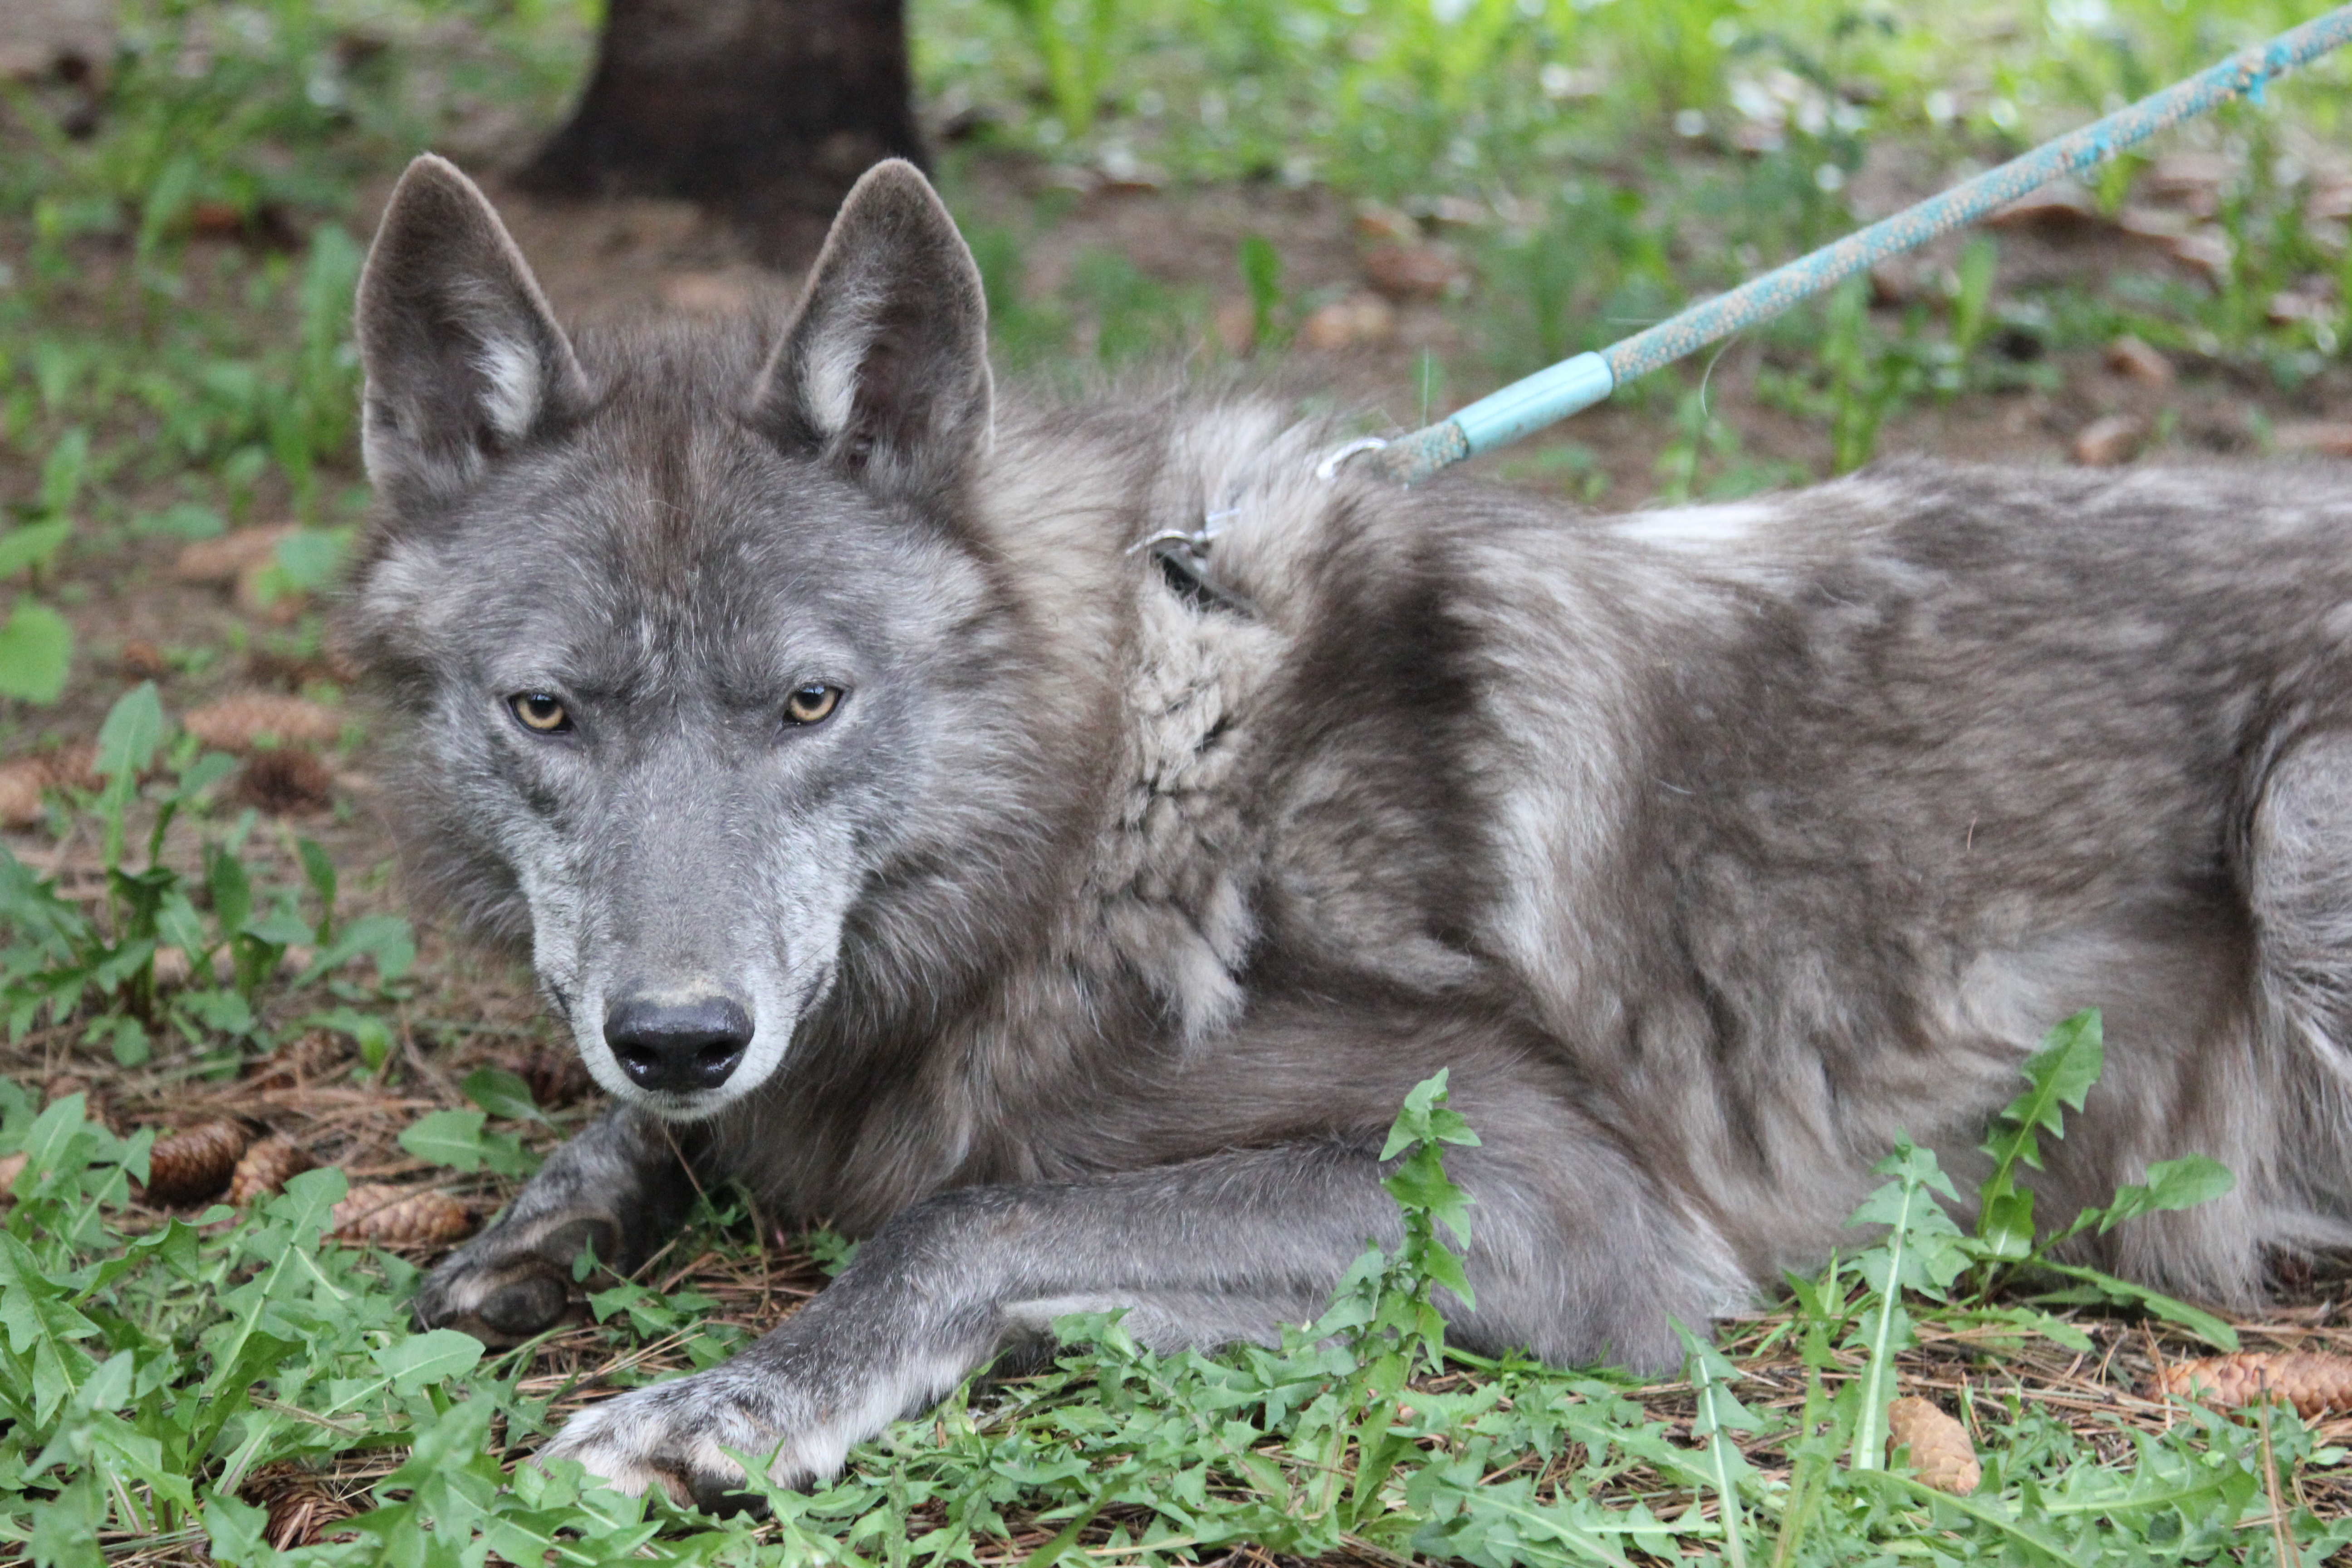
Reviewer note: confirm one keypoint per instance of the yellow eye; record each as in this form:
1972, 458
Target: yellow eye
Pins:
812, 704
540, 712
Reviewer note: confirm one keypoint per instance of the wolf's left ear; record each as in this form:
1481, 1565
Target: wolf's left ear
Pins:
884, 370
464, 360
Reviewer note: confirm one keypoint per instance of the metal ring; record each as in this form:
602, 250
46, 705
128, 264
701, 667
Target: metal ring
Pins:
1166, 536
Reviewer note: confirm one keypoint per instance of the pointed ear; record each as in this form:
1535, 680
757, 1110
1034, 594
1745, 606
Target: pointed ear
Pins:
884, 370
464, 360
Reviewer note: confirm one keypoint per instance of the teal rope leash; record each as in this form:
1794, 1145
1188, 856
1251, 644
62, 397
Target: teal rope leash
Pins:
1553, 393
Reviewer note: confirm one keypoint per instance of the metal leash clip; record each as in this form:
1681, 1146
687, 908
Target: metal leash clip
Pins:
1183, 556
1329, 468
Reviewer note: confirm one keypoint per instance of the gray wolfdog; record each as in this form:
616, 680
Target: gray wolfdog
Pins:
905, 843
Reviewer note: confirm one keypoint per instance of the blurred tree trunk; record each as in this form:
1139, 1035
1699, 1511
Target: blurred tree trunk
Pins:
767, 111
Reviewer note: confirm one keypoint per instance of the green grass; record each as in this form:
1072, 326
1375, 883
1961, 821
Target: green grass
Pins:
1400, 98
193, 384
151, 1374
157, 1373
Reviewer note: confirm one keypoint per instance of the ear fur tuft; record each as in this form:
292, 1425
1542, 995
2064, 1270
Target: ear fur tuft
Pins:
884, 370
463, 359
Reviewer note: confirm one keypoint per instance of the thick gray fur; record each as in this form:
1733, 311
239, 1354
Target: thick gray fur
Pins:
1092, 942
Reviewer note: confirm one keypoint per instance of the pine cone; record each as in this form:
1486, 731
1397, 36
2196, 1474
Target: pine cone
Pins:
298, 1062
2311, 1381
218, 561
142, 660
303, 1504
21, 783
190, 1166
264, 1169
555, 1075
234, 723
1941, 1455
401, 1216
285, 780
75, 763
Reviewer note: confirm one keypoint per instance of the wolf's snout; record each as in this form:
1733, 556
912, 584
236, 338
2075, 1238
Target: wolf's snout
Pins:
684, 1046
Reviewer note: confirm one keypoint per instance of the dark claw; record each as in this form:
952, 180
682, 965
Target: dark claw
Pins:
526, 1307
519, 1279
714, 1498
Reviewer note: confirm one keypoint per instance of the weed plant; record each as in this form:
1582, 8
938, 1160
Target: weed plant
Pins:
149, 1371
95, 970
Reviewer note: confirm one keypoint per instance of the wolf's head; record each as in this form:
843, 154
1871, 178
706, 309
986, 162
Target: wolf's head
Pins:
699, 645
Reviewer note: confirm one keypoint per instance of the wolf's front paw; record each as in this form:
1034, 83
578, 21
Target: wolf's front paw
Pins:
676, 1435
514, 1279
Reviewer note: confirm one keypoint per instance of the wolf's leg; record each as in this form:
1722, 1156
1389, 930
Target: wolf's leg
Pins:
2301, 891
621, 1186
2291, 1132
1575, 1255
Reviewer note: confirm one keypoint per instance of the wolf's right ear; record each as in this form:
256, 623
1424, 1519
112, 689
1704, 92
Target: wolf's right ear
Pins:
464, 360
883, 370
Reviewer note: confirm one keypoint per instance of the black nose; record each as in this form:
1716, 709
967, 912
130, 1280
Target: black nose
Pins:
678, 1046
